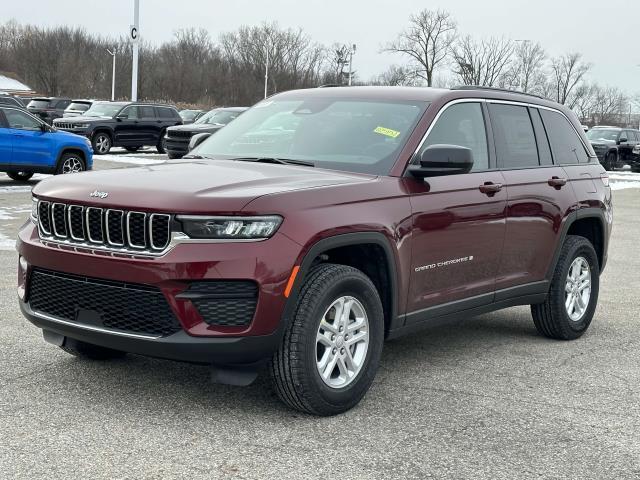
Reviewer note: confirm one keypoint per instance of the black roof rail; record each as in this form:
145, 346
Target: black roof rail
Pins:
494, 89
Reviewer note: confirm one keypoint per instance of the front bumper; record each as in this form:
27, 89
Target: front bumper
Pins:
225, 351
268, 263
179, 146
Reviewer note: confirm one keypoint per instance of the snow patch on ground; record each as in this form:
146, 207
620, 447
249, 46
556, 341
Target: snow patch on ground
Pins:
134, 160
620, 180
6, 243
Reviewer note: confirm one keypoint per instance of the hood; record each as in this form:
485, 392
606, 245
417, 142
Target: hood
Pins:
601, 141
197, 187
197, 128
82, 119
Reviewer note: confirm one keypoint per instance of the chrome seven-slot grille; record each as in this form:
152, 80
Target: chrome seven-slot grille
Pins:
65, 125
104, 228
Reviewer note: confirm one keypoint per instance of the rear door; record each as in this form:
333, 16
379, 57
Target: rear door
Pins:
6, 141
149, 126
31, 146
458, 221
538, 195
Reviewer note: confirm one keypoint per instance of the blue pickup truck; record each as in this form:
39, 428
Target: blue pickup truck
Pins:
28, 145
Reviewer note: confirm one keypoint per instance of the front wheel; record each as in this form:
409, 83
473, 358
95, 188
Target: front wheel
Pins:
101, 143
20, 176
573, 294
610, 161
162, 144
70, 163
329, 353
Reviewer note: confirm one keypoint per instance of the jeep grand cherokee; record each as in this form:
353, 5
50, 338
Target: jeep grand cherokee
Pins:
376, 212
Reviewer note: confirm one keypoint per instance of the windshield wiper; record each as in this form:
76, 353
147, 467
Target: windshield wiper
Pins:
280, 161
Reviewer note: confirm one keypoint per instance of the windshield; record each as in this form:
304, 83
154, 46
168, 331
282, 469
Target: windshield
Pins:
38, 104
343, 134
603, 134
220, 117
189, 114
103, 110
81, 106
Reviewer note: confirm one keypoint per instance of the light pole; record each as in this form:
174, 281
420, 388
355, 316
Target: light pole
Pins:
352, 51
113, 74
135, 38
266, 70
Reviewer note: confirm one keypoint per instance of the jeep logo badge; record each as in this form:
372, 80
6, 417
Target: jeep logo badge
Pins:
99, 194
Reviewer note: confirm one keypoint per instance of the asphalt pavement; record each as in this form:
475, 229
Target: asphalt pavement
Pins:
484, 398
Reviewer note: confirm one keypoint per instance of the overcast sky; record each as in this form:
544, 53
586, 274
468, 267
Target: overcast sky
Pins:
606, 32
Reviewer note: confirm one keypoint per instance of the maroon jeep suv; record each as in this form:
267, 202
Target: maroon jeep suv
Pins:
318, 224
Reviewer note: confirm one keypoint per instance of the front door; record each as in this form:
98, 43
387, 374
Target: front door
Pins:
6, 141
458, 222
31, 146
127, 127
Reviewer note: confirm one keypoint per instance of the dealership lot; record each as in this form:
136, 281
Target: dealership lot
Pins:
485, 398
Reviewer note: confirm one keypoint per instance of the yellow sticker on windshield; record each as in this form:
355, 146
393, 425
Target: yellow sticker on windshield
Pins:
387, 131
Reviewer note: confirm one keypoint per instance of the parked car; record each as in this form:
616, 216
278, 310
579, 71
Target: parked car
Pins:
48, 108
616, 147
123, 124
11, 100
77, 107
28, 145
387, 210
178, 138
190, 116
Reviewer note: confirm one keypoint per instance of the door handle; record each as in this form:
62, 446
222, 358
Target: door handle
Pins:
490, 188
557, 182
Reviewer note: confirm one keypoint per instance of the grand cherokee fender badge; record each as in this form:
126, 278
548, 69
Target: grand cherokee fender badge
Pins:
99, 194
445, 263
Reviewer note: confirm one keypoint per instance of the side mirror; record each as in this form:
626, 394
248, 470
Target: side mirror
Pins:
440, 160
121, 116
197, 139
623, 140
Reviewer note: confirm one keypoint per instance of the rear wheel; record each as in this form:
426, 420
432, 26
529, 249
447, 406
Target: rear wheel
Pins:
573, 294
70, 163
101, 143
329, 353
90, 351
20, 176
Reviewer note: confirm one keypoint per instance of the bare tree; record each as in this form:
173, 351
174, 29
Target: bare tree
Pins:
397, 75
482, 62
567, 72
526, 71
427, 41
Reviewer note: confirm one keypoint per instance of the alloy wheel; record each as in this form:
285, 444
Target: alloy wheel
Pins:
72, 165
102, 144
342, 342
578, 289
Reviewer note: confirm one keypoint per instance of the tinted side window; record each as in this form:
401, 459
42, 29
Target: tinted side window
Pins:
565, 144
19, 120
544, 150
146, 112
515, 141
131, 112
463, 125
165, 112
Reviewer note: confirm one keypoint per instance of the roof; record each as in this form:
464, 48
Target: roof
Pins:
9, 84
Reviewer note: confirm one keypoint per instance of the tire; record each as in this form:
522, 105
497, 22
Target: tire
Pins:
610, 161
552, 318
295, 368
90, 351
101, 143
70, 163
174, 156
20, 176
132, 149
162, 144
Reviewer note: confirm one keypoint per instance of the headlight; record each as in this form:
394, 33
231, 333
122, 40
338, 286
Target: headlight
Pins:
241, 228
34, 210
80, 125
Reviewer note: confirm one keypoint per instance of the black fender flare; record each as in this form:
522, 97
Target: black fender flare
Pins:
590, 212
344, 240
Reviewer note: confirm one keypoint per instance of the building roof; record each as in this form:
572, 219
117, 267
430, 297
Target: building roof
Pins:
10, 85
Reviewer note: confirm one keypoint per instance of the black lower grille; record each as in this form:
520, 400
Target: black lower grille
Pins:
229, 303
119, 306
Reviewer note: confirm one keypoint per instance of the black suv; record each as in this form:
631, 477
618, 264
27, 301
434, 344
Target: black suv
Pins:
48, 108
178, 138
123, 124
616, 147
